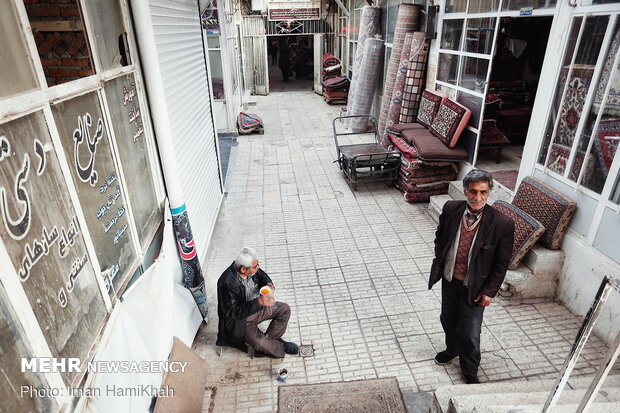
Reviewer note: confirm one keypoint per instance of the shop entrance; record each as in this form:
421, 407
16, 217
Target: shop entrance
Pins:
516, 65
291, 62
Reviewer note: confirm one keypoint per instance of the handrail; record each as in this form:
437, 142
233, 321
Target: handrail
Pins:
602, 295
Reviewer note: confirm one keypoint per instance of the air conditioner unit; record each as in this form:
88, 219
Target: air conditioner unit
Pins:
257, 5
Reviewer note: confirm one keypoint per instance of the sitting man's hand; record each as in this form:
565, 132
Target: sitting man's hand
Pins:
483, 300
273, 287
267, 300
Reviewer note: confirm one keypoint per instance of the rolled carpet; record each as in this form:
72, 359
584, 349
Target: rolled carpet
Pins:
369, 26
414, 83
406, 21
399, 84
361, 102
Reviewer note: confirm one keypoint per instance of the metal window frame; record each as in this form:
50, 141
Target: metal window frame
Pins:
608, 284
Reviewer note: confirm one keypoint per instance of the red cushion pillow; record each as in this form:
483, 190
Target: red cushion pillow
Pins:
429, 105
449, 122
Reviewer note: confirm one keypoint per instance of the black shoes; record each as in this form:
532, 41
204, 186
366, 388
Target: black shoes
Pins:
471, 379
443, 357
289, 347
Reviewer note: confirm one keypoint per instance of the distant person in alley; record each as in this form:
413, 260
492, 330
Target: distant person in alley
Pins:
245, 296
473, 246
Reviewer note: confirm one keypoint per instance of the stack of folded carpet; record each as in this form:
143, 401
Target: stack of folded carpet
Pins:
331, 66
336, 90
419, 180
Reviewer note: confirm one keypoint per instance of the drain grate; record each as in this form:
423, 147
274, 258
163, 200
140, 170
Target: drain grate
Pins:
306, 350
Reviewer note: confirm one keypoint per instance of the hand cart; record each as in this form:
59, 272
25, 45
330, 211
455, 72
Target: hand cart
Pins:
367, 162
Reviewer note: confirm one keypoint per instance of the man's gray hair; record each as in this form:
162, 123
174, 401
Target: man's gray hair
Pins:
477, 175
245, 258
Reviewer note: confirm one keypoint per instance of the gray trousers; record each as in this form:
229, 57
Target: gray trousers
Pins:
267, 342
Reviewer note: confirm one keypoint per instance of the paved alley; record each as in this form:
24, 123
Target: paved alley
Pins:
353, 266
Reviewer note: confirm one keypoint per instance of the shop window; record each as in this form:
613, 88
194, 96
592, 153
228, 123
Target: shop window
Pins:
479, 37
108, 33
383, 18
13, 346
573, 84
451, 34
456, 6
45, 242
60, 35
473, 73
447, 67
601, 132
17, 73
392, 11
615, 193
217, 75
128, 119
483, 6
524, 4
99, 185
570, 48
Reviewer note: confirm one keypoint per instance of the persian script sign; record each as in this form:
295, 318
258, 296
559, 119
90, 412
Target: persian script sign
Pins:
294, 14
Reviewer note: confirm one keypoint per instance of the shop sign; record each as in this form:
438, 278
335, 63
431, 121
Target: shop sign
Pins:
294, 14
210, 20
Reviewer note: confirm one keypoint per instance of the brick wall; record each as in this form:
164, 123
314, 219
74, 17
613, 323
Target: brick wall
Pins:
61, 39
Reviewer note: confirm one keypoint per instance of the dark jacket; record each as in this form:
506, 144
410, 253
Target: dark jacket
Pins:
490, 254
232, 307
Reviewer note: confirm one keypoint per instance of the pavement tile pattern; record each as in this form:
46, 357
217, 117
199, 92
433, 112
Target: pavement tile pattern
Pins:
354, 268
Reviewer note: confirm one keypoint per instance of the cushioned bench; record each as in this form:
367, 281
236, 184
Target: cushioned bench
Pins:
430, 148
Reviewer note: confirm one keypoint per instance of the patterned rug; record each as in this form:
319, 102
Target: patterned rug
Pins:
506, 178
406, 21
371, 396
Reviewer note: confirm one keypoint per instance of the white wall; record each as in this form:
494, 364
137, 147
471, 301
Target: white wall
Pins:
583, 270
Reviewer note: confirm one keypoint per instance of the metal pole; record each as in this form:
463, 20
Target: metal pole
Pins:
601, 374
580, 341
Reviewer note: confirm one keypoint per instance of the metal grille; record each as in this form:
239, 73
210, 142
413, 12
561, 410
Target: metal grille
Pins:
290, 27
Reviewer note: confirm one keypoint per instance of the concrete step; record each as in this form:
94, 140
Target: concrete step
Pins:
538, 274
435, 206
455, 190
469, 402
442, 395
604, 407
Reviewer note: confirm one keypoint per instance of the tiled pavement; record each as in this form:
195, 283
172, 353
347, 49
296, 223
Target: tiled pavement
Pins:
354, 267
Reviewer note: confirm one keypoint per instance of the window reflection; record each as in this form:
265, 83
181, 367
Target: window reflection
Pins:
19, 76
451, 34
446, 69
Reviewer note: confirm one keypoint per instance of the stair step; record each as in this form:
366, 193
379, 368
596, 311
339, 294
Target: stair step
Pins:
469, 402
455, 190
604, 407
442, 395
435, 206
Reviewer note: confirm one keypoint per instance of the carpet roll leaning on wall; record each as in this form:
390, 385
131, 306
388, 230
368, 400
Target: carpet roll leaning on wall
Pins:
369, 26
399, 84
367, 83
414, 83
406, 21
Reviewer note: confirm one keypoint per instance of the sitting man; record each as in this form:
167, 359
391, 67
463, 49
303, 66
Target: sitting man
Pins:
241, 308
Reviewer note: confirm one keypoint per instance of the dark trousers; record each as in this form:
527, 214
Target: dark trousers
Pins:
461, 323
267, 342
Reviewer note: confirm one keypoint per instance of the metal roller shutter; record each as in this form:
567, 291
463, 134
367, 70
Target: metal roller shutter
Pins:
179, 44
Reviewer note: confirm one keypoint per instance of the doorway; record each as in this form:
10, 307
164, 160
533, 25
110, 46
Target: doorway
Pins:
291, 62
516, 65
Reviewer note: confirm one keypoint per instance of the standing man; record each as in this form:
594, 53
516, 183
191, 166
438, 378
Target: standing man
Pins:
241, 308
473, 246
